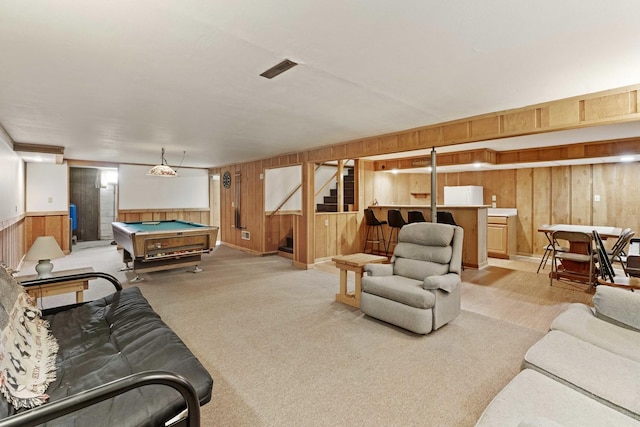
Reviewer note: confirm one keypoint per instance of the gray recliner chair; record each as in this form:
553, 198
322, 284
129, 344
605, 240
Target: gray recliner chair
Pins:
420, 289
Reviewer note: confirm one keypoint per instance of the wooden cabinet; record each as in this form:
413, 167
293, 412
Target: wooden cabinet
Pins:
501, 236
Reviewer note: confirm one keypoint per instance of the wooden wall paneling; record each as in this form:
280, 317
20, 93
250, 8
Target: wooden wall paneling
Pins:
304, 239
506, 188
627, 206
581, 195
542, 189
333, 235
604, 177
271, 233
560, 195
351, 238
402, 189
322, 235
56, 225
12, 242
524, 204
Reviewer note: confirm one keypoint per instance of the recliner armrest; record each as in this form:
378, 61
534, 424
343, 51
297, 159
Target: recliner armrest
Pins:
447, 282
379, 269
618, 306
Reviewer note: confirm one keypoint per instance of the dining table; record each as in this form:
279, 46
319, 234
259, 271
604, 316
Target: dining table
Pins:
575, 270
603, 231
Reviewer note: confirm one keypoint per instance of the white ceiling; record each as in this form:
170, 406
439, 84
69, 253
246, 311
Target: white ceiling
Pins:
118, 80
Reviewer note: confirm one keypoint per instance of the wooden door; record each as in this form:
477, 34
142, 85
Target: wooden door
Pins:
85, 194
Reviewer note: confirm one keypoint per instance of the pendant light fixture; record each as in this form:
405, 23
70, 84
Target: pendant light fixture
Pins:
163, 169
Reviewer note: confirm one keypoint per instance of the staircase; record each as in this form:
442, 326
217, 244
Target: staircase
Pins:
331, 201
286, 250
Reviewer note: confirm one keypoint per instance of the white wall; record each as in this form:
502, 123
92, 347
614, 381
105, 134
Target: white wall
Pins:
278, 183
137, 190
11, 181
47, 187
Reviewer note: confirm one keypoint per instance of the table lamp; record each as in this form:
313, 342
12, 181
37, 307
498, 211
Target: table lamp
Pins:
43, 250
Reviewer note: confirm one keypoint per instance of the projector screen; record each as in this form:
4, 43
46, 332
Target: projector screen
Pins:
137, 190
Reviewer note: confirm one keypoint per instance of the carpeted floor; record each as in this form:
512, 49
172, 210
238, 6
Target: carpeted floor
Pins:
282, 352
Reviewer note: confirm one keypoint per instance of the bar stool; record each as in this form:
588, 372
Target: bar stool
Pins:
415, 216
396, 222
374, 226
444, 217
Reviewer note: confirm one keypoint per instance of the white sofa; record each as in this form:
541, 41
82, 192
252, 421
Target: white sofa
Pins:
585, 371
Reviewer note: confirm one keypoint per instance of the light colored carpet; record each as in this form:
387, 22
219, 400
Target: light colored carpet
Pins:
282, 352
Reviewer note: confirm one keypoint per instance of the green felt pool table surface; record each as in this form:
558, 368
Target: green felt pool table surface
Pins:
160, 226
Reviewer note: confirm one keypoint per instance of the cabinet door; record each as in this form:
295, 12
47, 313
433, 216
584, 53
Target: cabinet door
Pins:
497, 239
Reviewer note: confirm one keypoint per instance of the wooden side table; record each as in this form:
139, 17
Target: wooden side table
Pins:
355, 263
77, 286
631, 283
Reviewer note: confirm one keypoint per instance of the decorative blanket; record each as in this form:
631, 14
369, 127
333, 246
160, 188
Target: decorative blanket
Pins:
27, 348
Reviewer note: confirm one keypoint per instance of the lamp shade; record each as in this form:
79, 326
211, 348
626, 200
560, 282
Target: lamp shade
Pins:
162, 170
44, 249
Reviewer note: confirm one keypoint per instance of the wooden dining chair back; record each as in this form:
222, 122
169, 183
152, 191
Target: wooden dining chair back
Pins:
577, 264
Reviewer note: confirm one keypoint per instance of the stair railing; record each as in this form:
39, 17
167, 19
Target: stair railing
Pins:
290, 195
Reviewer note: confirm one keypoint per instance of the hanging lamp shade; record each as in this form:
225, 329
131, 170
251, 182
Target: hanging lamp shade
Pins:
163, 169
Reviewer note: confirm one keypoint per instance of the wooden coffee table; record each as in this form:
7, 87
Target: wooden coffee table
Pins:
77, 286
355, 263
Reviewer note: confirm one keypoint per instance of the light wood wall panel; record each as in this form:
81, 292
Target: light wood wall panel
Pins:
524, 202
337, 234
54, 224
277, 228
560, 194
581, 195
12, 234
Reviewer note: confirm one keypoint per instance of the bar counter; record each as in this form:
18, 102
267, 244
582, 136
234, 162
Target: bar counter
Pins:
473, 219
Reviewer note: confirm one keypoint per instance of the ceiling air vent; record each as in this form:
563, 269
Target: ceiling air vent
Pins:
278, 69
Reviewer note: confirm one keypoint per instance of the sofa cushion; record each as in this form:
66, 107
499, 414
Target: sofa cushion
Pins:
579, 321
533, 399
398, 288
418, 270
618, 306
434, 235
601, 374
111, 338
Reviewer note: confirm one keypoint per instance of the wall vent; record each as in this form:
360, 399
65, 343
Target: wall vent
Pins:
278, 69
245, 235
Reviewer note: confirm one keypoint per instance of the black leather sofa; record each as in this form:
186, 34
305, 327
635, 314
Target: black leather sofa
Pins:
118, 364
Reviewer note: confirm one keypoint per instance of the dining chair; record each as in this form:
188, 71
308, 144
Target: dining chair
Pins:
548, 250
578, 263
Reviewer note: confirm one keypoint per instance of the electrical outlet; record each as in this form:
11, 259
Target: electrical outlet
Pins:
245, 235
326, 222
50, 199
596, 198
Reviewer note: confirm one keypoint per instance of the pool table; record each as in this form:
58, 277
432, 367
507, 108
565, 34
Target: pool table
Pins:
162, 245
